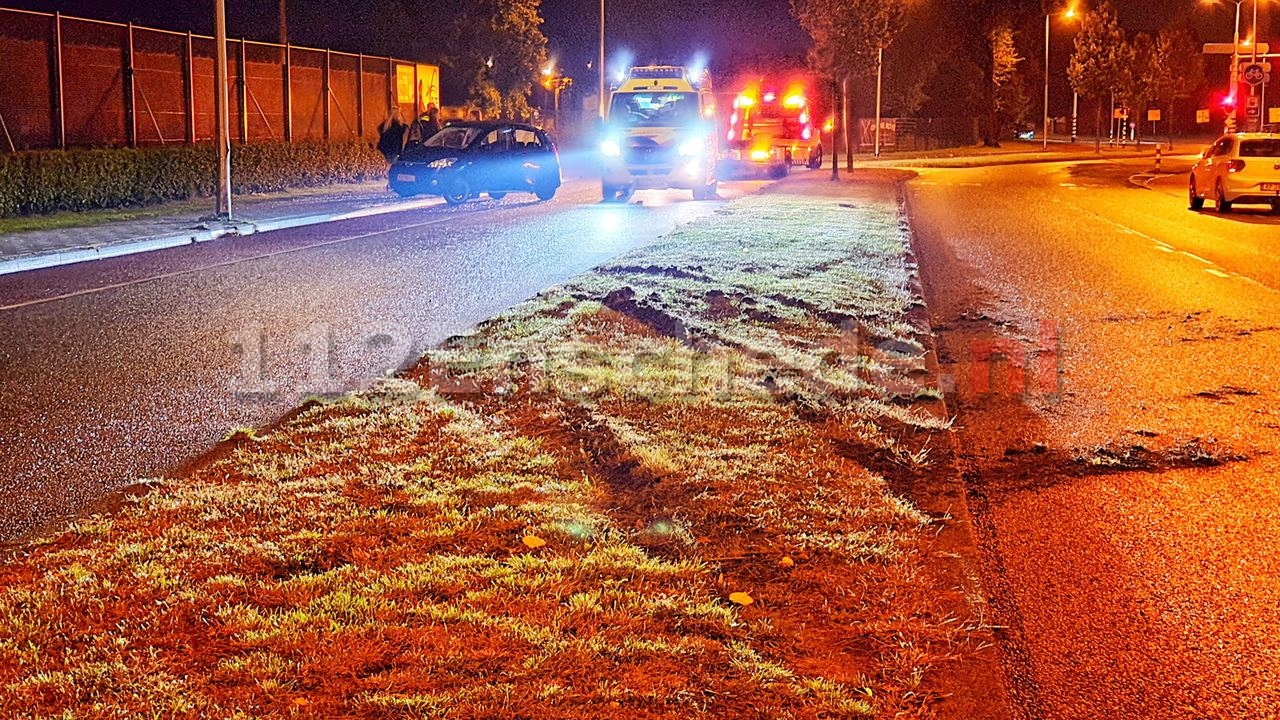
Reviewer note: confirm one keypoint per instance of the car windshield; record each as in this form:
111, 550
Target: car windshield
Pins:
1260, 148
654, 109
456, 138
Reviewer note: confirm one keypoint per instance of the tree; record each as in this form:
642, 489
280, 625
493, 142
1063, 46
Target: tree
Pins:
1175, 71
1011, 100
1132, 74
1096, 64
499, 47
974, 22
848, 34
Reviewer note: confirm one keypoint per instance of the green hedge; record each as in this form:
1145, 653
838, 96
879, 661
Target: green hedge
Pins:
45, 181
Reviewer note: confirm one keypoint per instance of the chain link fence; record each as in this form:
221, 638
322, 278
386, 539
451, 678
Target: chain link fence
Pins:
76, 82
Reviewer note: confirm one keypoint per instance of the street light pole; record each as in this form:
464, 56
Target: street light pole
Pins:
1046, 81
1253, 60
601, 66
221, 102
879, 84
1235, 70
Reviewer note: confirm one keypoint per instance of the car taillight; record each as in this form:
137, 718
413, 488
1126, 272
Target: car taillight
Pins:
1235, 165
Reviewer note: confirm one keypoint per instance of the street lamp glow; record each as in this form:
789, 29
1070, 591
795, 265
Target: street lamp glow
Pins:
1070, 14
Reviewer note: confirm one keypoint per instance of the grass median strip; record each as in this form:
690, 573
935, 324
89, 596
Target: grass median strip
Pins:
659, 490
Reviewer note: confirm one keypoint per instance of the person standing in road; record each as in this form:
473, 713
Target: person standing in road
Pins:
426, 125
391, 135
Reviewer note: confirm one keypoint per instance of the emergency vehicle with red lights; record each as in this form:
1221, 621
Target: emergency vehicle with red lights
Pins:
770, 130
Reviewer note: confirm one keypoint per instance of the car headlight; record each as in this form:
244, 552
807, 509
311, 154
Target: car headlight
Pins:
692, 147
610, 148
760, 155
442, 163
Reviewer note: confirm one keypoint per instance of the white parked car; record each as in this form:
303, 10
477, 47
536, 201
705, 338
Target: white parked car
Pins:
1237, 168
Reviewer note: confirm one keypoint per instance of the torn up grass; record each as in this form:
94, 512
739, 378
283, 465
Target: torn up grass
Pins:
659, 491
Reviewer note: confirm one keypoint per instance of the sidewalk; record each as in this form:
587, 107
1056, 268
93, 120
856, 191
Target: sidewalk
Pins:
189, 222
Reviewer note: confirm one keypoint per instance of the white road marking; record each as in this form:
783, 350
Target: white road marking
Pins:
227, 263
1193, 256
1216, 273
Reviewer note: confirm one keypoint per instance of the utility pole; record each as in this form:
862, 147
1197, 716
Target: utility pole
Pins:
221, 103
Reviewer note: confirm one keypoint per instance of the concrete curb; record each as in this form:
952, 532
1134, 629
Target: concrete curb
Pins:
977, 161
55, 258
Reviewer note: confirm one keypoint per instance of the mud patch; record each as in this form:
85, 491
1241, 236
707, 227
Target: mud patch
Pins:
1036, 466
1225, 393
623, 300
694, 272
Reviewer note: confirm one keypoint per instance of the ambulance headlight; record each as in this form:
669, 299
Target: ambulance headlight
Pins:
691, 148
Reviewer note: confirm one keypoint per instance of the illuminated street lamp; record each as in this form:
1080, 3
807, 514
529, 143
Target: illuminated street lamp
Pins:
554, 82
1069, 14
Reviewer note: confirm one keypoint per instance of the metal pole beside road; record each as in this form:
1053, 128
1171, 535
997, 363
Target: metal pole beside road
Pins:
844, 120
1253, 46
60, 100
1045, 145
600, 68
879, 86
130, 91
189, 89
221, 101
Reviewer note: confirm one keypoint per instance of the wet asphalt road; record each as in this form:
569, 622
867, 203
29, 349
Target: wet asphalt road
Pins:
122, 369
1129, 579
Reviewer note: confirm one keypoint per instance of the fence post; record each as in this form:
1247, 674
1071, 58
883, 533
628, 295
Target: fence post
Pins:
391, 83
417, 95
328, 96
244, 95
288, 92
360, 96
189, 91
130, 91
59, 108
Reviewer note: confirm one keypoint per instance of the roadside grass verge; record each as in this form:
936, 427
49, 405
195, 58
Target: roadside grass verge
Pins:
662, 490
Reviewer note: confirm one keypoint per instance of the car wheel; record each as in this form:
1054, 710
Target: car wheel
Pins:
456, 190
1220, 202
616, 193
497, 195
1195, 202
545, 191
815, 159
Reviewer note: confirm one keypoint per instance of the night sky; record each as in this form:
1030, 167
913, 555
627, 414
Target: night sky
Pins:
725, 31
